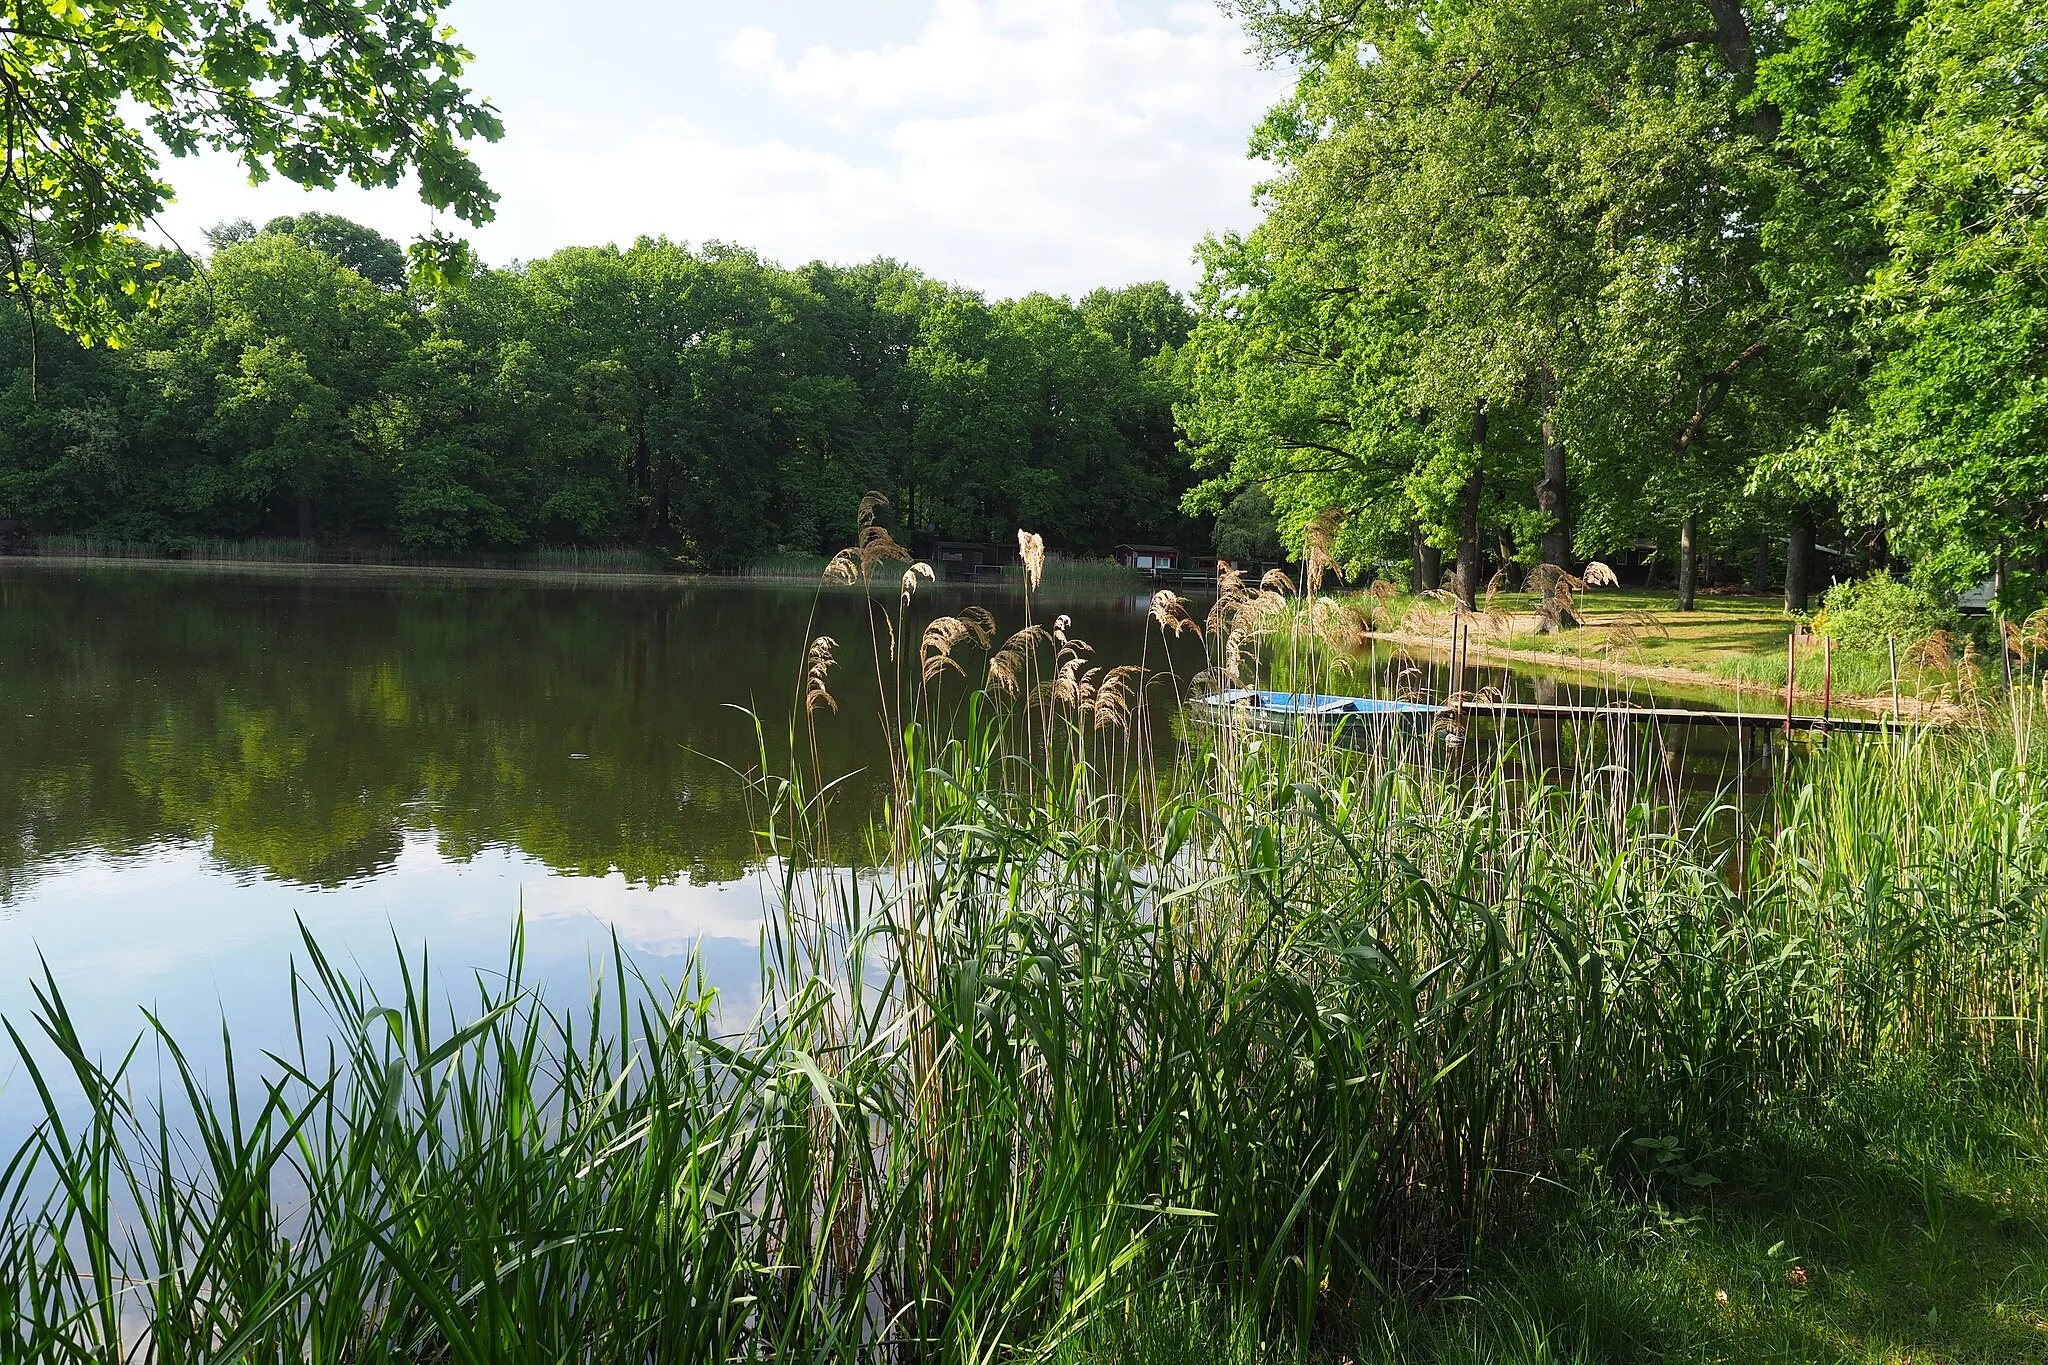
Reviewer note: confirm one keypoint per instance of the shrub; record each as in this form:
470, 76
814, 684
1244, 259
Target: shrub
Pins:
1866, 614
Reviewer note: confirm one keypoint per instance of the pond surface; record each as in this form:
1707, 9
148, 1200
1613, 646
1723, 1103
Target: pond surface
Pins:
193, 762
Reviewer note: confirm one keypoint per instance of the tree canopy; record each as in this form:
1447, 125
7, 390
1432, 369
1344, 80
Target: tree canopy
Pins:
700, 401
1541, 280
369, 92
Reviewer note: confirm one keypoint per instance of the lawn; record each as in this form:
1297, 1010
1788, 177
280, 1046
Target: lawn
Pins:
1900, 1221
1732, 639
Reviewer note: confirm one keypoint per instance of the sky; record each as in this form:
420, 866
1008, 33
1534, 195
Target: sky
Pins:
1008, 145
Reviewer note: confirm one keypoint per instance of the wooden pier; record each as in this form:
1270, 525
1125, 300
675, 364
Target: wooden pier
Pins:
1276, 707
1672, 715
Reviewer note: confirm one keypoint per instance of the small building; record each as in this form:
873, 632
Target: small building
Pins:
1148, 558
967, 558
13, 537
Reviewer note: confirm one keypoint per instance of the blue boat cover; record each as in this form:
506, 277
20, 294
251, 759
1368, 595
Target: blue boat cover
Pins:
1312, 704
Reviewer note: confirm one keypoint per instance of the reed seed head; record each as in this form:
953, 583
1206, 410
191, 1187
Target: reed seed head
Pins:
1031, 549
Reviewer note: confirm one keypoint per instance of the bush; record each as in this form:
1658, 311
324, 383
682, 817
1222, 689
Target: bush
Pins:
1866, 614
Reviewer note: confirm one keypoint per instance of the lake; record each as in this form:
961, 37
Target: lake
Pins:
195, 761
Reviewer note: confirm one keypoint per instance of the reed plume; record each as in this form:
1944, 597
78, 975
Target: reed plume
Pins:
911, 575
817, 670
941, 638
1031, 549
1010, 666
1317, 550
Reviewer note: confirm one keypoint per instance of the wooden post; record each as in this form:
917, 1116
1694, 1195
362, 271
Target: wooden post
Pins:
1892, 647
1827, 680
1791, 672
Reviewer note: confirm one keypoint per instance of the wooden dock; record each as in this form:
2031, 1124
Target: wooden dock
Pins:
1272, 707
1672, 715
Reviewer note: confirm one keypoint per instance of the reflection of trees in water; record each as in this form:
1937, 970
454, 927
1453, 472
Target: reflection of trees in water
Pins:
303, 728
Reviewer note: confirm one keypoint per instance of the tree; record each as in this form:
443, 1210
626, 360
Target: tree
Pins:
1246, 531
271, 359
366, 251
1943, 439
1525, 237
367, 92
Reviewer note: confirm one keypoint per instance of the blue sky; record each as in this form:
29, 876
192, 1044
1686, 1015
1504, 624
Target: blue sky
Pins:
1010, 145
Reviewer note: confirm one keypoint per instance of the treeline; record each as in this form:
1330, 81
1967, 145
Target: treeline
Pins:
308, 381
1762, 289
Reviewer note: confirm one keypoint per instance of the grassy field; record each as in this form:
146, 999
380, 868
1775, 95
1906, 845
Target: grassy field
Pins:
1902, 1222
1730, 640
1285, 1052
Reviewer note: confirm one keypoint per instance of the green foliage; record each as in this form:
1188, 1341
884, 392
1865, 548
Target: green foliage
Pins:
1725, 274
1246, 532
703, 403
1872, 614
369, 253
319, 93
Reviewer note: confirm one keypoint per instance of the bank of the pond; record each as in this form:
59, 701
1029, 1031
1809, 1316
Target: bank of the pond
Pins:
1725, 693
1060, 575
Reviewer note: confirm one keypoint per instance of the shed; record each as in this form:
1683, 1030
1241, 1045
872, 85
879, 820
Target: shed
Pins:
1148, 558
968, 558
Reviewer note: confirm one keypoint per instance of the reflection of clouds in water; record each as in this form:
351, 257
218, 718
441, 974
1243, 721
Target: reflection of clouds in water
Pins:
173, 927
669, 920
174, 931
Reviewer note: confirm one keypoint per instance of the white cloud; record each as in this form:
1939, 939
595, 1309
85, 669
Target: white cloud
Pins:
1013, 147
1056, 144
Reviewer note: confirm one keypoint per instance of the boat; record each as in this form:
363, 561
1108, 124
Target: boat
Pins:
1352, 720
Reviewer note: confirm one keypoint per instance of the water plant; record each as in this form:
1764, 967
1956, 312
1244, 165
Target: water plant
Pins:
1300, 1026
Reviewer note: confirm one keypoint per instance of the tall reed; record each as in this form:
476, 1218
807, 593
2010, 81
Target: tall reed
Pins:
1299, 1021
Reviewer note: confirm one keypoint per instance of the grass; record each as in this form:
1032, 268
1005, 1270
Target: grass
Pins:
1288, 1050
1904, 1222
1730, 639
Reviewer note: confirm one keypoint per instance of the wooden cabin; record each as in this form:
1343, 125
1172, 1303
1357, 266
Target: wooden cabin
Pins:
968, 559
1148, 558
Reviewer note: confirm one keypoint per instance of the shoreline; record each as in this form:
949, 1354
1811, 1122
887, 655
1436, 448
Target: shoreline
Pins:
1910, 707
884, 585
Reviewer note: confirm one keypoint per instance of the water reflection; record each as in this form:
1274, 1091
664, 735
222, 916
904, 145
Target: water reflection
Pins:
305, 729
192, 762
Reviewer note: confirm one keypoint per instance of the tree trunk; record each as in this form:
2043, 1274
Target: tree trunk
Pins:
1799, 559
1689, 562
306, 517
1760, 574
1504, 551
1731, 35
1552, 493
1423, 575
657, 506
1468, 516
1468, 542
1880, 550
2001, 577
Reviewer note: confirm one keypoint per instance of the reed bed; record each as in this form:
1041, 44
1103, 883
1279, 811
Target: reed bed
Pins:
1297, 1025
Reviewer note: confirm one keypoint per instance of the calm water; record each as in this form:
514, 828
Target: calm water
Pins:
193, 762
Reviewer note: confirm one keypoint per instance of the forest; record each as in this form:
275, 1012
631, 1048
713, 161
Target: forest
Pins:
1753, 292
1716, 294
309, 381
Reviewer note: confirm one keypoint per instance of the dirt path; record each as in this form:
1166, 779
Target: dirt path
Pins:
1910, 708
